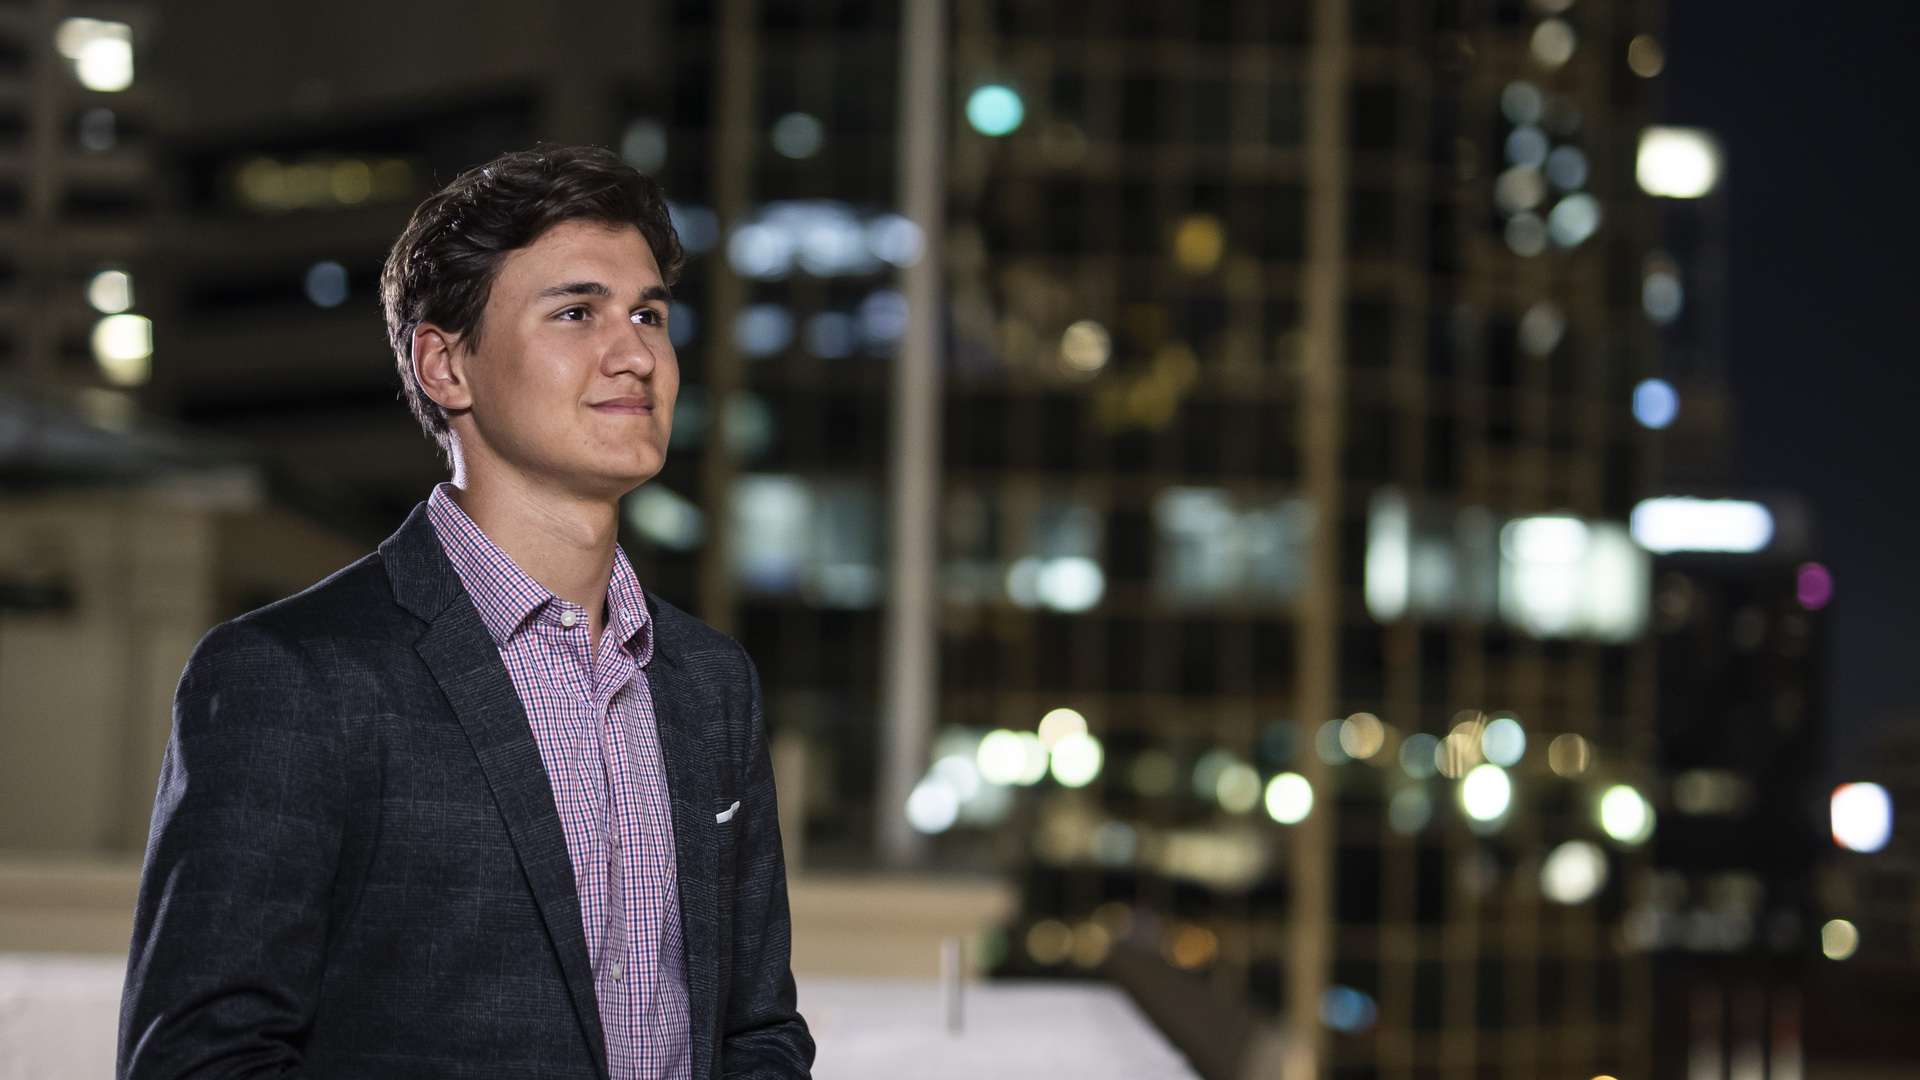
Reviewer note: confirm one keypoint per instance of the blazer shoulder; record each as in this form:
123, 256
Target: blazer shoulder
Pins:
686, 634
354, 602
693, 643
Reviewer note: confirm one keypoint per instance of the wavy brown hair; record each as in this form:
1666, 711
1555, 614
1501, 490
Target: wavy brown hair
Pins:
442, 267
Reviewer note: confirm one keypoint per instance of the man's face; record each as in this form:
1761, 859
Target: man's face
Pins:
574, 378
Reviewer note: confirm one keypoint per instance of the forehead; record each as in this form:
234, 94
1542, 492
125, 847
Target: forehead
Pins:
615, 255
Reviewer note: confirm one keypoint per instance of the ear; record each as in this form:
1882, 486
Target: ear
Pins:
439, 362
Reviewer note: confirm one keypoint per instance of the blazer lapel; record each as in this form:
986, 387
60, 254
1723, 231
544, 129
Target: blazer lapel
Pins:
681, 708
463, 658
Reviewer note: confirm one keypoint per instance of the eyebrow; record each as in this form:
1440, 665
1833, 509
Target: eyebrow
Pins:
596, 289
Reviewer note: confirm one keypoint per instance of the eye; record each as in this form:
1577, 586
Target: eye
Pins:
649, 317
568, 314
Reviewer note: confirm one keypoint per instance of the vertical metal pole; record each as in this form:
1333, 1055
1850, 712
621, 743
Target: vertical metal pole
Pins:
910, 677
1319, 414
736, 87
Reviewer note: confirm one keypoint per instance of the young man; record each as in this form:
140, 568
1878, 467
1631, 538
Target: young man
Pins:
478, 805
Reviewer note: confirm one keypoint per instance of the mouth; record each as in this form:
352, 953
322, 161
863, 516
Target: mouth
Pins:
639, 406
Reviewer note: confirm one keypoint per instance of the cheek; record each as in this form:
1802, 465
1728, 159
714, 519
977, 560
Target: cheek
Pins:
666, 377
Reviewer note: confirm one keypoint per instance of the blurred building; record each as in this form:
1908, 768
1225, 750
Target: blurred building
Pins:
77, 175
1301, 366
1731, 913
1862, 995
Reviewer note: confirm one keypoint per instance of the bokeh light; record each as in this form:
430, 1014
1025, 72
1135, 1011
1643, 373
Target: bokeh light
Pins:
1362, 735
1677, 163
1076, 760
1059, 723
326, 284
995, 110
1553, 43
1813, 585
1417, 755
798, 135
1289, 798
1198, 243
1085, 347
1503, 742
101, 51
933, 806
1049, 942
110, 292
1573, 872
1839, 939
1655, 404
1347, 1010
1574, 219
1238, 788
123, 348
1486, 793
1862, 817
1625, 815
1569, 755
1645, 57
1011, 757
1191, 947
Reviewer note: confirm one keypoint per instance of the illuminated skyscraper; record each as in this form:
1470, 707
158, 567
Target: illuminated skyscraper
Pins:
1365, 285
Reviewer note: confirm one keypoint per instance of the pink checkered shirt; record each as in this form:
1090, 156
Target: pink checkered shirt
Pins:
592, 718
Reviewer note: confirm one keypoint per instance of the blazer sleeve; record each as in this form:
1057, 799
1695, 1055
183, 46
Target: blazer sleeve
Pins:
230, 925
763, 1035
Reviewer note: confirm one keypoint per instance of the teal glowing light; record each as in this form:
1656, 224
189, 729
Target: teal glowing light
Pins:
995, 110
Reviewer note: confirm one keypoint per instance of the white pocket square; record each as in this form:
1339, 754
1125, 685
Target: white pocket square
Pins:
727, 814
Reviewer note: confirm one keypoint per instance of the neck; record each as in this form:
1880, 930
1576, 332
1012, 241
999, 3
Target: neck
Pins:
562, 540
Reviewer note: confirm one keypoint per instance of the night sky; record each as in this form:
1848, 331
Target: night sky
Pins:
1814, 102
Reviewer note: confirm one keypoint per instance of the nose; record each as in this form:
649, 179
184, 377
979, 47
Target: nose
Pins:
637, 349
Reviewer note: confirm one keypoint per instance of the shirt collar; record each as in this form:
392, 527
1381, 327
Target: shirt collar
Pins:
506, 596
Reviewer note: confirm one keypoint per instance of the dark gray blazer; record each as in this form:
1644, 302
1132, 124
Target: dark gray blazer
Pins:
356, 868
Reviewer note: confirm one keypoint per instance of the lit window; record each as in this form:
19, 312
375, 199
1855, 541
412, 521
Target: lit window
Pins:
814, 539
100, 50
1210, 549
123, 347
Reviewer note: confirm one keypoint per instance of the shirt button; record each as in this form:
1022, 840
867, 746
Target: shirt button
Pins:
617, 971
568, 618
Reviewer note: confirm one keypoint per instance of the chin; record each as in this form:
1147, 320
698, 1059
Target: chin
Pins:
632, 473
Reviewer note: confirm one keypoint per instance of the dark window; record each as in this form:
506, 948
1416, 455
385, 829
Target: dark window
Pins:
98, 203
1212, 122
1376, 22
1374, 120
1199, 665
1129, 545
1370, 223
1357, 884
1443, 453
1363, 663
1141, 101
1286, 112
1200, 428
1446, 240
1369, 333
1269, 224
